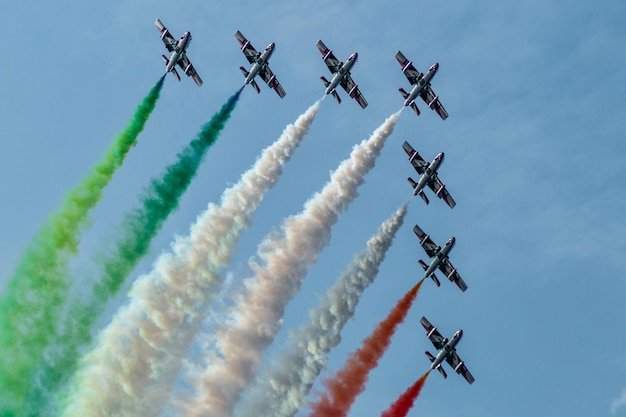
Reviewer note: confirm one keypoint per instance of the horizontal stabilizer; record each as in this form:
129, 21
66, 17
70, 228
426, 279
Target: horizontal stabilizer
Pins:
442, 371
166, 59
403, 92
435, 279
325, 81
415, 108
176, 73
422, 194
256, 86
244, 71
430, 356
423, 264
334, 93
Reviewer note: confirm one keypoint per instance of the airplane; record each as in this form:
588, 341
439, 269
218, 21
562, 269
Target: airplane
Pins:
341, 75
179, 53
428, 176
421, 86
439, 259
260, 65
447, 351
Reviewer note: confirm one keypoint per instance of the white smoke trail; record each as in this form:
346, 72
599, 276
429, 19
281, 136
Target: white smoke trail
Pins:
287, 257
281, 390
130, 371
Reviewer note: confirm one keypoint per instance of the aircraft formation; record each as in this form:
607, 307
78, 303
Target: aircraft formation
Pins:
119, 356
427, 171
341, 71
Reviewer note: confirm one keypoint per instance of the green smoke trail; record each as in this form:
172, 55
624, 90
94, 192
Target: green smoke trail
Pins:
35, 294
139, 227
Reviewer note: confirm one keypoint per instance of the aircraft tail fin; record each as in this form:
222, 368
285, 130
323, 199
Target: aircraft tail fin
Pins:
412, 104
334, 92
172, 70
432, 276
252, 82
421, 192
439, 367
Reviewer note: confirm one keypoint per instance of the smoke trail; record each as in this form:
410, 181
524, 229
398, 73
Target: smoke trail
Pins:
141, 350
349, 382
139, 227
404, 403
287, 257
35, 293
281, 391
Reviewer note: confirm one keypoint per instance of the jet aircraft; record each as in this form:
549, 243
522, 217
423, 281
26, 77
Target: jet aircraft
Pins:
421, 87
447, 351
179, 53
341, 75
260, 65
428, 176
439, 259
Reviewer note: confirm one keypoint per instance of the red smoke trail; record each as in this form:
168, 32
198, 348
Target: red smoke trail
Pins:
350, 381
405, 402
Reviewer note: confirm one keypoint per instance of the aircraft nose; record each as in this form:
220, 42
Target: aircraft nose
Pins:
272, 45
435, 67
441, 155
452, 240
460, 333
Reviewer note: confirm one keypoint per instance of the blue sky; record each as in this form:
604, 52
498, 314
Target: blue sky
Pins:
535, 158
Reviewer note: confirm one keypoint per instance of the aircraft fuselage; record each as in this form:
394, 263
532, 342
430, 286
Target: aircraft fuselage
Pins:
420, 84
178, 52
428, 173
343, 71
260, 62
446, 349
439, 257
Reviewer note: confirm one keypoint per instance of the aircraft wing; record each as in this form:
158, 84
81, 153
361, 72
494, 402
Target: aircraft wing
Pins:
459, 367
441, 191
189, 70
329, 58
433, 102
353, 91
167, 38
433, 334
414, 157
450, 272
247, 48
427, 243
412, 74
270, 79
